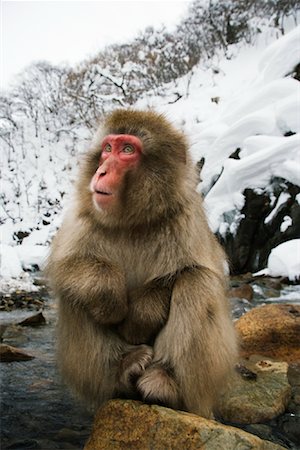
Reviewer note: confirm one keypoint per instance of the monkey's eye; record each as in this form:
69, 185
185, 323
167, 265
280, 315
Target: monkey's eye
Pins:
107, 148
128, 149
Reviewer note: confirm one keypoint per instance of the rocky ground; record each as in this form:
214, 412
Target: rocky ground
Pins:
263, 399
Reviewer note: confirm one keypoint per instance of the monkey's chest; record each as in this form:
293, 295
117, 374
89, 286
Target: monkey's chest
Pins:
138, 268
142, 264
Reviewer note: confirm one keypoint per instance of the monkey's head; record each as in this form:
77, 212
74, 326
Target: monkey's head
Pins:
136, 171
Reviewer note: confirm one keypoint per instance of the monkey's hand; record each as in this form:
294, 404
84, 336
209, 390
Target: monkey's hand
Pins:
148, 311
132, 366
98, 287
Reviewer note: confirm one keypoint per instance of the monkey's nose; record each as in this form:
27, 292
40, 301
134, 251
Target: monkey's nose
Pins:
101, 172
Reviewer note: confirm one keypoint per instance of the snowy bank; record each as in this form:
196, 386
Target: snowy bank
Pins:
284, 261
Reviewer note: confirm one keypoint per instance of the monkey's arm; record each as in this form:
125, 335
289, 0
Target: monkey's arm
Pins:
148, 311
96, 286
196, 347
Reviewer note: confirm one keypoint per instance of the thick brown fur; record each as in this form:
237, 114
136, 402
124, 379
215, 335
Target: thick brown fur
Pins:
142, 292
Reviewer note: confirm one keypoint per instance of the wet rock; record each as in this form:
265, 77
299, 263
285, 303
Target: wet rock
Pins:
23, 299
270, 293
33, 321
289, 424
3, 327
271, 330
269, 433
257, 398
244, 291
270, 282
294, 380
124, 424
9, 354
237, 280
261, 430
245, 372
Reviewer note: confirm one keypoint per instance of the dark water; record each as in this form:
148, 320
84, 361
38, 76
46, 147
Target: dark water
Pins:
37, 410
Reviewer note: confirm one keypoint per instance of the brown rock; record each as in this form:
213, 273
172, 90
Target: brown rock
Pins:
257, 398
243, 291
273, 283
9, 354
271, 330
32, 321
125, 424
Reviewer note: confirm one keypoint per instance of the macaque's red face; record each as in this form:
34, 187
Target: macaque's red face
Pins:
120, 153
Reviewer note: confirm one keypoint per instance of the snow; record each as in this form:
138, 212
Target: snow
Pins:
284, 261
281, 57
283, 197
251, 171
286, 223
248, 103
11, 266
14, 260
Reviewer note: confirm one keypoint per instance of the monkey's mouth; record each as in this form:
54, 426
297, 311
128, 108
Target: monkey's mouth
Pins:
102, 192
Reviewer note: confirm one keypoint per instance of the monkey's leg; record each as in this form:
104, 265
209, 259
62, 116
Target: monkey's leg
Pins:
198, 343
157, 385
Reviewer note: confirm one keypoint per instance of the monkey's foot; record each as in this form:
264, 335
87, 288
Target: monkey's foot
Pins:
133, 365
157, 386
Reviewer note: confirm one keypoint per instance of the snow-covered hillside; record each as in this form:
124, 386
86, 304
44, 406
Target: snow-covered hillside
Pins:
242, 117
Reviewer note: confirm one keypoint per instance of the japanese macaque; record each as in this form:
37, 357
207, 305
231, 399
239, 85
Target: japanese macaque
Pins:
140, 277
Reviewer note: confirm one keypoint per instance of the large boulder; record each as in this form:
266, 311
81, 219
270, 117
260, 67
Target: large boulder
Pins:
125, 424
259, 392
271, 330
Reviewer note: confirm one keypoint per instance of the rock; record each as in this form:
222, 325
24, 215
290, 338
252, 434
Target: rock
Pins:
260, 228
271, 330
32, 321
23, 299
3, 327
290, 425
9, 354
294, 380
236, 280
271, 283
125, 424
257, 398
267, 432
244, 291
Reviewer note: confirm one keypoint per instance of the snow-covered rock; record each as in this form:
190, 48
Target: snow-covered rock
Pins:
284, 260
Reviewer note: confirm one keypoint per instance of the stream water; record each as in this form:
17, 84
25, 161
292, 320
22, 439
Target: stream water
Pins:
36, 408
